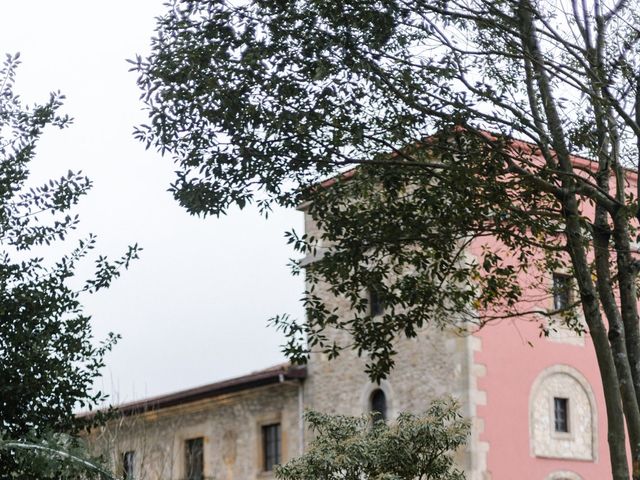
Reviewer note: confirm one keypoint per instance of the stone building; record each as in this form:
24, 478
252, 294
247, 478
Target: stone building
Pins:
234, 429
535, 404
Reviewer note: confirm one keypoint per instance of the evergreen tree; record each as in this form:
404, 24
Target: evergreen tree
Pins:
48, 356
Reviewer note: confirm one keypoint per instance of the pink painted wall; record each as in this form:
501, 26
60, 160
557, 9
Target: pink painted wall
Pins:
512, 367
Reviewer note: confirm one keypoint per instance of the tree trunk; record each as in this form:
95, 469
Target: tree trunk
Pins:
576, 247
591, 308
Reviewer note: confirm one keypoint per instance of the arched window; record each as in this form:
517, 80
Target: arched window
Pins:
562, 415
564, 475
378, 402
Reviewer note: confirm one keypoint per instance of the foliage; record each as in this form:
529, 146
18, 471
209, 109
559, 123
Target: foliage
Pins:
250, 113
461, 116
48, 358
56, 456
417, 447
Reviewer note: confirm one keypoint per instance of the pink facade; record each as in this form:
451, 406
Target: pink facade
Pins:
512, 366
514, 357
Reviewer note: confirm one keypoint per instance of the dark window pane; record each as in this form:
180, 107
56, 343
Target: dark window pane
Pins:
271, 446
379, 405
194, 459
128, 462
561, 291
375, 303
561, 414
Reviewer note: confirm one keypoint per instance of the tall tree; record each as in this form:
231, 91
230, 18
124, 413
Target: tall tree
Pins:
48, 356
262, 100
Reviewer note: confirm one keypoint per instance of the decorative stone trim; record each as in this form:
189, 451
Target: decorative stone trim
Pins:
580, 442
369, 388
563, 475
561, 334
478, 450
269, 418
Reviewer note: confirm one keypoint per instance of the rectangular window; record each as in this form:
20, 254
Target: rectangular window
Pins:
194, 459
376, 306
128, 462
271, 446
561, 414
561, 291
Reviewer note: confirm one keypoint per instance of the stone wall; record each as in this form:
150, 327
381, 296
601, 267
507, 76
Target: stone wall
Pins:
231, 426
433, 365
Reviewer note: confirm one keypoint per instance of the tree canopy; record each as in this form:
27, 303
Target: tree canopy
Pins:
48, 356
415, 447
458, 119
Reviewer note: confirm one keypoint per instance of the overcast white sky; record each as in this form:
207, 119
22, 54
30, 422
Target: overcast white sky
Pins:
193, 309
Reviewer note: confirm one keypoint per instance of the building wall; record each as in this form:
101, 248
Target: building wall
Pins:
229, 424
523, 374
505, 375
433, 365
430, 366
522, 371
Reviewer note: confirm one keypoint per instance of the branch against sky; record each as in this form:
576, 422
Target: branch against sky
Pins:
462, 118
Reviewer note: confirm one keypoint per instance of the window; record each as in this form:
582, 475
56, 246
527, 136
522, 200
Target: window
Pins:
270, 446
561, 414
376, 306
378, 405
194, 459
128, 462
561, 291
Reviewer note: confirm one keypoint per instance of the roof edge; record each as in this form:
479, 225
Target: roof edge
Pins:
269, 376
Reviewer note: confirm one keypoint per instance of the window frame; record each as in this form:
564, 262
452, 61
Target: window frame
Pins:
128, 464
582, 441
561, 415
378, 415
188, 458
268, 442
376, 305
562, 291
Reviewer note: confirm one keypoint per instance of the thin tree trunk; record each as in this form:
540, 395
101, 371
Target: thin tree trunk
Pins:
628, 295
616, 334
608, 373
629, 309
623, 322
576, 246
